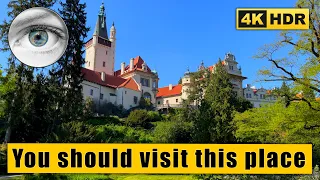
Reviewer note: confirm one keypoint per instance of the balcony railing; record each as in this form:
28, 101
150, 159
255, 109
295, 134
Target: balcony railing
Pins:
163, 106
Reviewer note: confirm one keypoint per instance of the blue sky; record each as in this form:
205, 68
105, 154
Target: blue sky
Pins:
173, 34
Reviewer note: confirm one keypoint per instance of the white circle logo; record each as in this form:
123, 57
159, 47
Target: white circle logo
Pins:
38, 37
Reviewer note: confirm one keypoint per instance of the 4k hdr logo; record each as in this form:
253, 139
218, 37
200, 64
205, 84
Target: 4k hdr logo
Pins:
272, 18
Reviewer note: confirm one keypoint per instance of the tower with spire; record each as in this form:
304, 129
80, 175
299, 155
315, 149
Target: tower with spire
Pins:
100, 49
186, 80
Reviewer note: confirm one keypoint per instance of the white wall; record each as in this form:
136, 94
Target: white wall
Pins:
97, 89
171, 100
126, 97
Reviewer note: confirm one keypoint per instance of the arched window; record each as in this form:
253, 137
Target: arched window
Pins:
147, 95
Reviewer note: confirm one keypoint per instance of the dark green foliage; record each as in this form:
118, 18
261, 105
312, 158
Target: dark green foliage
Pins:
3, 160
213, 121
144, 104
44, 177
242, 105
21, 109
109, 109
121, 134
139, 118
95, 121
154, 116
175, 131
70, 65
73, 132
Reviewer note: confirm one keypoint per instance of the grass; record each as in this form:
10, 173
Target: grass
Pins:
151, 177
124, 177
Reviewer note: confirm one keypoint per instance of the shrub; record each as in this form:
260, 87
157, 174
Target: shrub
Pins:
154, 116
73, 132
122, 134
139, 118
175, 131
95, 121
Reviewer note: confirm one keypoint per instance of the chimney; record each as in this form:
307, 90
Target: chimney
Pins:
103, 76
170, 87
131, 64
122, 67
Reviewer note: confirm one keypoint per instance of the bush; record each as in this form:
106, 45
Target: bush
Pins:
154, 116
122, 134
175, 131
95, 121
73, 132
139, 118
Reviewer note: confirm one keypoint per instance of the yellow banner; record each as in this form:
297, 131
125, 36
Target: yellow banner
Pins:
272, 18
161, 158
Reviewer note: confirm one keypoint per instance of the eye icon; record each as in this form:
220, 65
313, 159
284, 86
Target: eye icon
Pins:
38, 37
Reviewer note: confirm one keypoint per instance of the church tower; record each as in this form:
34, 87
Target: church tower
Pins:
186, 80
100, 50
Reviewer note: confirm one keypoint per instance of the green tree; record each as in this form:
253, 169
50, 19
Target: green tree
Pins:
70, 65
276, 123
301, 65
18, 102
213, 123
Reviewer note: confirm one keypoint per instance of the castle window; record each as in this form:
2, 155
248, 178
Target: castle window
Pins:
177, 100
135, 99
106, 52
158, 102
89, 63
91, 92
249, 95
145, 82
101, 96
104, 64
125, 92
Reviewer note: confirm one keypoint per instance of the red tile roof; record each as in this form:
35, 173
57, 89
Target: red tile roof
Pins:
130, 84
212, 67
137, 65
165, 92
110, 81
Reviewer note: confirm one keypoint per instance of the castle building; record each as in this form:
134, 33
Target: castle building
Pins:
258, 96
103, 83
173, 95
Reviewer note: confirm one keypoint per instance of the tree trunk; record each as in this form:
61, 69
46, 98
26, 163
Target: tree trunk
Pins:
8, 135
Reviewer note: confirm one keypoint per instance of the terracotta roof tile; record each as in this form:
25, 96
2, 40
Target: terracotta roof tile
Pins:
130, 84
164, 91
110, 81
137, 65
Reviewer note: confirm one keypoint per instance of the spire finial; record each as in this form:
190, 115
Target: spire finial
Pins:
113, 23
102, 9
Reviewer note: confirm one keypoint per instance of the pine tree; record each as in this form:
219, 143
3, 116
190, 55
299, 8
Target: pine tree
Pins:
213, 124
69, 70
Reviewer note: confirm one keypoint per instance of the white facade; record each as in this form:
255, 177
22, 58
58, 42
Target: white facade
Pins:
258, 97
